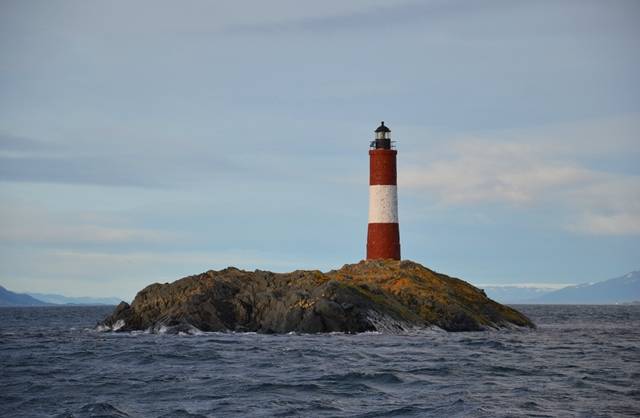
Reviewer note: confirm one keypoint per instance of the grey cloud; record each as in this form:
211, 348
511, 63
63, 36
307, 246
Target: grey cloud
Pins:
375, 19
135, 171
10, 142
495, 20
71, 171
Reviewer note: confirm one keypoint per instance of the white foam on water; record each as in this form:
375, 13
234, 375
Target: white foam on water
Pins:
194, 331
106, 328
119, 324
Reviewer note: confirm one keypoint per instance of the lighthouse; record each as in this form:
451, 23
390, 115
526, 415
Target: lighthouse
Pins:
383, 234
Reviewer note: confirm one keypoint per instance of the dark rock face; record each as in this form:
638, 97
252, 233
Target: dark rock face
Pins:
368, 296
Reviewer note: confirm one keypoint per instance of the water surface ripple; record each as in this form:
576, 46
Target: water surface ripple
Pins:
581, 361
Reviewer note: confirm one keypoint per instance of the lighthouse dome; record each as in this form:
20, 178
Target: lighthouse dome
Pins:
382, 128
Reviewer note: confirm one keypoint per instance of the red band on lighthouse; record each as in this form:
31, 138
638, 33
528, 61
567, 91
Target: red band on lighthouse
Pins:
382, 166
383, 235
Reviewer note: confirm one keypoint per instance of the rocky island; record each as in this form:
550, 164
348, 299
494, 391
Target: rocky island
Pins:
378, 295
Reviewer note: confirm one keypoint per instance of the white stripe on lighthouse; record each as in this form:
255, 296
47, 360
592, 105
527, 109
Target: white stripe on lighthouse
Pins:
383, 204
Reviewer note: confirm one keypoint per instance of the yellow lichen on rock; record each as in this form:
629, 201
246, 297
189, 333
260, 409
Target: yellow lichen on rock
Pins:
356, 298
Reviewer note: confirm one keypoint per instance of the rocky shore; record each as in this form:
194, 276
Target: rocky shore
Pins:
380, 295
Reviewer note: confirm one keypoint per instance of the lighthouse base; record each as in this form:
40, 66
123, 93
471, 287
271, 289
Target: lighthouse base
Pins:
383, 241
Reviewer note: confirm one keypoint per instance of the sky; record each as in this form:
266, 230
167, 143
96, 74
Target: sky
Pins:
144, 141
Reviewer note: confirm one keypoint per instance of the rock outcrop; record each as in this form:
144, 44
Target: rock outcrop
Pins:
368, 296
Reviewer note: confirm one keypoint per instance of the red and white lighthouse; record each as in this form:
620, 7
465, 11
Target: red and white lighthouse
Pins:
383, 235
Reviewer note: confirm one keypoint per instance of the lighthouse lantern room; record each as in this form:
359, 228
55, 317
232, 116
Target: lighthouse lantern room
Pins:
383, 139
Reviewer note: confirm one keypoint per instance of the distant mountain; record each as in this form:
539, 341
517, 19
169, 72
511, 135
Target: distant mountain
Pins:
9, 298
623, 289
516, 294
67, 300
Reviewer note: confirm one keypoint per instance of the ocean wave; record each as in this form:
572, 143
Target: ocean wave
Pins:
57, 364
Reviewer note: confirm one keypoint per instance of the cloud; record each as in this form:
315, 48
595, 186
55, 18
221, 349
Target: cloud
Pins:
41, 233
539, 170
25, 159
142, 259
610, 205
73, 170
358, 15
12, 143
30, 225
118, 164
489, 171
96, 273
608, 224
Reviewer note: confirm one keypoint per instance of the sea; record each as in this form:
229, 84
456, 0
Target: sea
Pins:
581, 361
